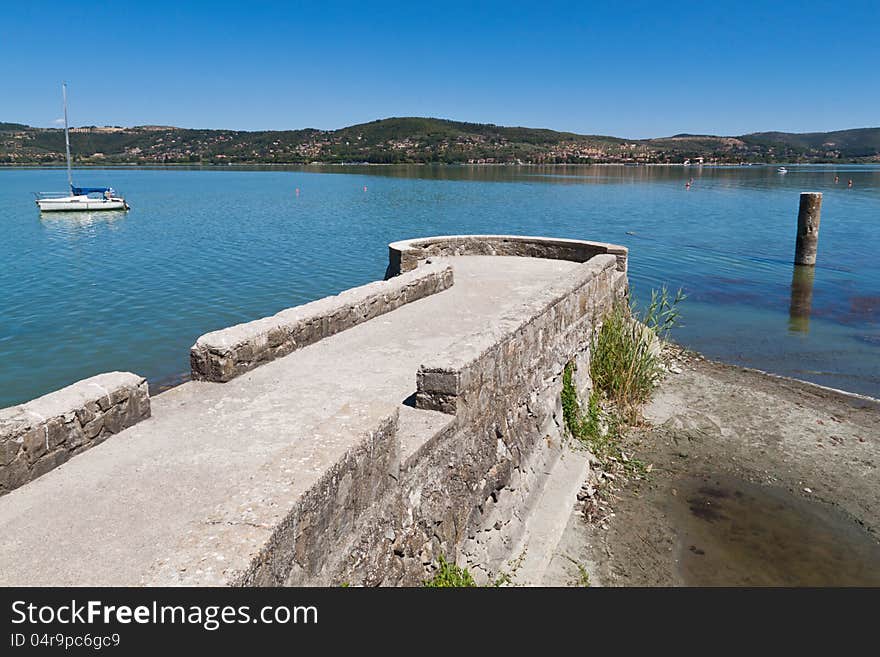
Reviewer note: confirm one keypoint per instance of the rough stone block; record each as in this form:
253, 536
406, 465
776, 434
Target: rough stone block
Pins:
114, 420
35, 443
56, 431
49, 462
15, 474
9, 449
442, 381
94, 427
76, 437
37, 436
85, 415
222, 355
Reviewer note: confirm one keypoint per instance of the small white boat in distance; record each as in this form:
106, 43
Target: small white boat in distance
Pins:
781, 170
80, 198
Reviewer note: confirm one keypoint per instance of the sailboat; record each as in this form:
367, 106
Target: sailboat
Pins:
78, 199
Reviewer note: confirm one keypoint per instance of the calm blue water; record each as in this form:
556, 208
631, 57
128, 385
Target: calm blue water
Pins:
203, 249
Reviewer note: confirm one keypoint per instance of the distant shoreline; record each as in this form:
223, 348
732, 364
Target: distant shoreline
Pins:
443, 165
423, 141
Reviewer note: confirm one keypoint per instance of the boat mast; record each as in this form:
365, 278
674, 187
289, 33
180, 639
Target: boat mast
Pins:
67, 137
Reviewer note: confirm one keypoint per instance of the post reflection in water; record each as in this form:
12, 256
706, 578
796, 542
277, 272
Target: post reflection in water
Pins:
801, 298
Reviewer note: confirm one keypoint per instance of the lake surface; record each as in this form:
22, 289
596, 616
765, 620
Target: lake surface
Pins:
205, 248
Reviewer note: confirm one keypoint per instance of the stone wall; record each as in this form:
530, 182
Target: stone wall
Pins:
332, 508
225, 354
406, 255
465, 491
504, 389
477, 372
44, 433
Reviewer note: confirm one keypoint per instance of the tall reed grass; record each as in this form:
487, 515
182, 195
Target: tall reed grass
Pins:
625, 352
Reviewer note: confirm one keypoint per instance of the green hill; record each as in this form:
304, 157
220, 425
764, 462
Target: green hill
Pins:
418, 140
857, 143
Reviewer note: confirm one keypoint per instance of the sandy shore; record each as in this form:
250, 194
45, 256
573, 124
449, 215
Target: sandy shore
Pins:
755, 480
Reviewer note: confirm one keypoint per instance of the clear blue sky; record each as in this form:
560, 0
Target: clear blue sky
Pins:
632, 69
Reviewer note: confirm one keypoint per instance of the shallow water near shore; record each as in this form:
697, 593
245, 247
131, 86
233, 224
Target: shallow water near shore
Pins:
733, 533
202, 249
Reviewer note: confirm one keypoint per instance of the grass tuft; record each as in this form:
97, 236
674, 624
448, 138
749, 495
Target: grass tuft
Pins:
625, 355
624, 366
449, 575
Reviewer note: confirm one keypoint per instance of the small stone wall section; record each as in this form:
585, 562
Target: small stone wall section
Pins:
478, 373
288, 527
41, 434
329, 512
223, 355
407, 255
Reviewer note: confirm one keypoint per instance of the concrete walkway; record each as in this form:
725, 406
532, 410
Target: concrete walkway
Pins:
218, 463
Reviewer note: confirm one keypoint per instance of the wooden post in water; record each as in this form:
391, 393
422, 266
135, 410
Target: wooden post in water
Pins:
809, 215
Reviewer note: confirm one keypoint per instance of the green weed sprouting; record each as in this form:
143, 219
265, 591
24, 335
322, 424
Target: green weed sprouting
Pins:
571, 409
449, 575
624, 359
662, 314
624, 366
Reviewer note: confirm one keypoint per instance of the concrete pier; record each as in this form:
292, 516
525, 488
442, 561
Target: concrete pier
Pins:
316, 467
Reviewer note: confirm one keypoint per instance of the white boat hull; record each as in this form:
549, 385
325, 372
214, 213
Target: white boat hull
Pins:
80, 204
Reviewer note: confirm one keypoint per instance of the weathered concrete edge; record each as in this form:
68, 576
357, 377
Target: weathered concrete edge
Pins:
223, 355
297, 551
441, 381
406, 255
40, 435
